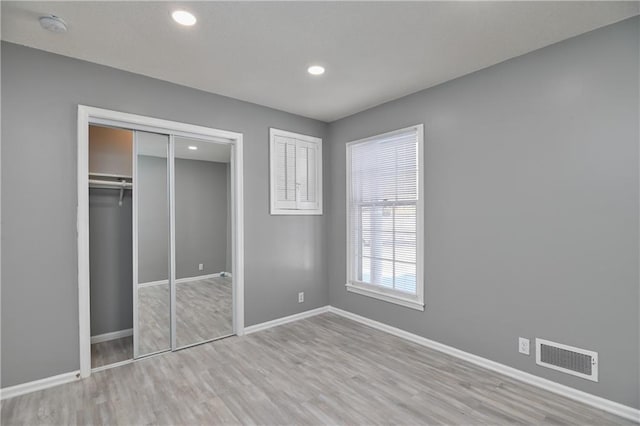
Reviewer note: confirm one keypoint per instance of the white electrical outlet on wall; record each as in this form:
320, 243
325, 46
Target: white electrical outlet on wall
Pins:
523, 345
201, 267
301, 297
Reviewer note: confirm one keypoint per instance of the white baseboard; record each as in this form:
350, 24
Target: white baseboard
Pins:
152, 283
36, 385
114, 365
609, 406
184, 280
98, 338
284, 320
198, 278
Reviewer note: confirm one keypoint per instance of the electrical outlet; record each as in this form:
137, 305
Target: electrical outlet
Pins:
301, 297
523, 345
201, 267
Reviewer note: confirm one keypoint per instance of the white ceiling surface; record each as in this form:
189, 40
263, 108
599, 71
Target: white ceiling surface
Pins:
259, 51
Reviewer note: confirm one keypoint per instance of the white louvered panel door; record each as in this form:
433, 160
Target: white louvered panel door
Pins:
306, 175
286, 172
295, 173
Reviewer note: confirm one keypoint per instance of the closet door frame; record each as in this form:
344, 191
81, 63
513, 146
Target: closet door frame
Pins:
91, 115
172, 239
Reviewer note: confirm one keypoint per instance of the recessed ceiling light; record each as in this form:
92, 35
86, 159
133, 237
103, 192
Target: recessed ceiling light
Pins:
183, 17
193, 148
315, 70
53, 23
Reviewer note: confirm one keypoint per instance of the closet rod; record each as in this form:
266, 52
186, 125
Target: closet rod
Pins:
109, 184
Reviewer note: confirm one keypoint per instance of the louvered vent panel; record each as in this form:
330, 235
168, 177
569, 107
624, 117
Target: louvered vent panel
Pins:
566, 359
575, 361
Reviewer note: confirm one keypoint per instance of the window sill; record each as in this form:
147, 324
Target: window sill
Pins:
292, 212
365, 290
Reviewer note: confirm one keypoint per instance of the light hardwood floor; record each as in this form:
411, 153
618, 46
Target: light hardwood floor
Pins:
111, 351
322, 370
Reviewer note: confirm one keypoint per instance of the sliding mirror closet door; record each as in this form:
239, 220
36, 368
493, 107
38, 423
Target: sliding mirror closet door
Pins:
203, 289
152, 330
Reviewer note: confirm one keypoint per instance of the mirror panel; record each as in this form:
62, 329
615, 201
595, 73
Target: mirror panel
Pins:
153, 332
204, 290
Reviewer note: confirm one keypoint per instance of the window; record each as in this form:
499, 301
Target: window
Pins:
385, 217
296, 173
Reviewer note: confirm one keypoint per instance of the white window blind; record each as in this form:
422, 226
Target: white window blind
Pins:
296, 173
384, 214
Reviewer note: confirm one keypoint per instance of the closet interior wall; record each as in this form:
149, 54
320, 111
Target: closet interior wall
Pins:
110, 244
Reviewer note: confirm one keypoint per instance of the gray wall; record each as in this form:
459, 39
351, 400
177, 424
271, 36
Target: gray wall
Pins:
110, 252
531, 216
40, 94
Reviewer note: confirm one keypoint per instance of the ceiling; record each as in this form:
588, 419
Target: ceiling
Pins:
259, 51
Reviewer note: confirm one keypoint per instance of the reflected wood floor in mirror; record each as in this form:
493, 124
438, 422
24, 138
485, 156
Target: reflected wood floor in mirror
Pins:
204, 311
154, 320
321, 370
112, 351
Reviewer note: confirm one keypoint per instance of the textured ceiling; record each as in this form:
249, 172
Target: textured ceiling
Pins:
259, 51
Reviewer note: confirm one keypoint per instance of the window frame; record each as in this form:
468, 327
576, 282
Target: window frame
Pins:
376, 291
274, 209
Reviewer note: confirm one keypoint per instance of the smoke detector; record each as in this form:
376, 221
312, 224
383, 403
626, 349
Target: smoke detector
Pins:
53, 23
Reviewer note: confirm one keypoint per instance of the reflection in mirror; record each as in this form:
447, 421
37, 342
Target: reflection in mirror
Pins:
153, 295
204, 290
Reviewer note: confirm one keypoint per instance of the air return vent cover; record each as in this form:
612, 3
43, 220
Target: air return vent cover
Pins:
575, 361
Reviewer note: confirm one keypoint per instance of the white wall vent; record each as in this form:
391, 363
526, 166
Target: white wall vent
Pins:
570, 360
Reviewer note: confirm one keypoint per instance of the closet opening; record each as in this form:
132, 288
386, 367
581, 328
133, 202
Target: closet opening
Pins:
110, 245
160, 237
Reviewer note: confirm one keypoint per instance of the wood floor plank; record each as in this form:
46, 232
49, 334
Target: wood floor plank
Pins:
321, 370
111, 351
